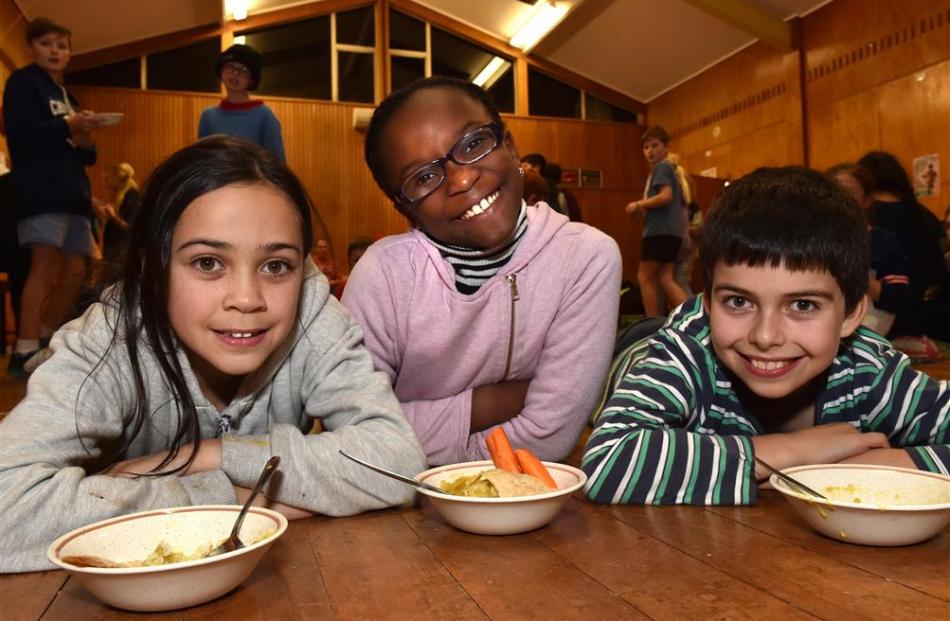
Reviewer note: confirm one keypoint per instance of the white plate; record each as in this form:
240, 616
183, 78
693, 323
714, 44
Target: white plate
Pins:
108, 118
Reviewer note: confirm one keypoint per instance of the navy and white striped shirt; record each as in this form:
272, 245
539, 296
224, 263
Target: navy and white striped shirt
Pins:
674, 432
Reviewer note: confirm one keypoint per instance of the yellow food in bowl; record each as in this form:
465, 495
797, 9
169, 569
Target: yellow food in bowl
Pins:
494, 483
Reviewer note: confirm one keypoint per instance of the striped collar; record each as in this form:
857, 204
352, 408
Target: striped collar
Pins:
474, 267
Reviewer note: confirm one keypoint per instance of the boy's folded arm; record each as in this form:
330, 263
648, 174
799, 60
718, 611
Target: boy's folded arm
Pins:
569, 376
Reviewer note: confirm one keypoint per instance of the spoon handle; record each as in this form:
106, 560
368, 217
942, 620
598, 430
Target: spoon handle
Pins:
790, 480
266, 473
394, 475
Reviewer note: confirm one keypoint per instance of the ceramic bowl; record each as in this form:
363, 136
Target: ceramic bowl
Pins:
134, 537
500, 516
870, 505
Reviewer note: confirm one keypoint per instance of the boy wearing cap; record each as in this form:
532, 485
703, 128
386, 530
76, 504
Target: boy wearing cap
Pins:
239, 68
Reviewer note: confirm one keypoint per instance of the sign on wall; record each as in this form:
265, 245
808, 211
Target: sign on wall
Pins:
927, 175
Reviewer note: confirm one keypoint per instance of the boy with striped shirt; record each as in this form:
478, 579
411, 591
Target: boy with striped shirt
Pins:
770, 361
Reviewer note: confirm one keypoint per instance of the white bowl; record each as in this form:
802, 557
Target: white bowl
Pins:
500, 516
176, 585
885, 506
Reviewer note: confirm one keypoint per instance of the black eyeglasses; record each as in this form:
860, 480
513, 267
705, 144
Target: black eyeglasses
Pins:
470, 148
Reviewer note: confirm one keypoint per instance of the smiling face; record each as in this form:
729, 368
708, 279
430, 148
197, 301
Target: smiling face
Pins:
776, 329
236, 76
424, 129
50, 52
234, 279
654, 150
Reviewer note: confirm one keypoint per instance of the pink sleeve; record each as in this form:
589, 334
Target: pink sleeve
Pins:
573, 365
442, 425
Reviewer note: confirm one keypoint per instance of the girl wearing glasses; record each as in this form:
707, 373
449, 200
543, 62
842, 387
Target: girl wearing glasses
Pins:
488, 312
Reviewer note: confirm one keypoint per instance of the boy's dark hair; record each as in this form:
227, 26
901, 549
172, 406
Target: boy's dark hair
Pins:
535, 159
655, 132
142, 287
245, 55
552, 173
391, 104
887, 175
791, 217
42, 26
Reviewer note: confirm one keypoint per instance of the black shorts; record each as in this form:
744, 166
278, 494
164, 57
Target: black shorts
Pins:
660, 248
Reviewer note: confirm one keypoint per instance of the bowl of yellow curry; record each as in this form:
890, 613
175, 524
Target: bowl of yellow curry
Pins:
479, 498
161, 559
870, 505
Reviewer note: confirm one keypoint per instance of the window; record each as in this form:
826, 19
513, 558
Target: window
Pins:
406, 33
408, 51
596, 109
457, 58
550, 97
405, 71
355, 48
296, 58
125, 73
188, 68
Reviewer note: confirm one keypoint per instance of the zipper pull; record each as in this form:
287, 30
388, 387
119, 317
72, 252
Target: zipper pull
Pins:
513, 286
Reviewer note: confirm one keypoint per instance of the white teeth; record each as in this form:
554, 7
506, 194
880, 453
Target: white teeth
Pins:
240, 335
481, 207
769, 365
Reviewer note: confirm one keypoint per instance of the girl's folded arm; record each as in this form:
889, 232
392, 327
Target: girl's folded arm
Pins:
49, 480
359, 413
573, 364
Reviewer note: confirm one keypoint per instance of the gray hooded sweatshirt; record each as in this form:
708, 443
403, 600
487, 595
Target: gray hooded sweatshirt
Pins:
56, 442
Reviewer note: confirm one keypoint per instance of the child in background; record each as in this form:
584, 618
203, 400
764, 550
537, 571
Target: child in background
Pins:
116, 214
257, 351
770, 361
888, 283
664, 228
50, 146
239, 68
489, 312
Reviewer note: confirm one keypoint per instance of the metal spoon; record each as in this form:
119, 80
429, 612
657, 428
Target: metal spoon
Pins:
394, 475
234, 542
790, 480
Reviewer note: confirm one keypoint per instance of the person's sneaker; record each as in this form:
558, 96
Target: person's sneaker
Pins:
16, 368
917, 348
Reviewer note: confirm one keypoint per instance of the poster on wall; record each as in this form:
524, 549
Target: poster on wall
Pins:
927, 175
592, 178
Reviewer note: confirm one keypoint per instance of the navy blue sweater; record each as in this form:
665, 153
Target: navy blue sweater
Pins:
49, 173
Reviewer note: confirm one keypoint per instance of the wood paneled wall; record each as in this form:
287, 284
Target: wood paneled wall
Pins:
13, 52
876, 76
327, 153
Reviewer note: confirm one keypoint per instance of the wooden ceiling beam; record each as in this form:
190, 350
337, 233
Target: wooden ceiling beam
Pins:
750, 19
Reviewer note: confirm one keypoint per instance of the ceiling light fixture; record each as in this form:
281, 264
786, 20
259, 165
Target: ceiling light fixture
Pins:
486, 74
237, 9
542, 20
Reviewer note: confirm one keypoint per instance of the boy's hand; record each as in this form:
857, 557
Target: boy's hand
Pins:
824, 444
81, 122
632, 208
883, 457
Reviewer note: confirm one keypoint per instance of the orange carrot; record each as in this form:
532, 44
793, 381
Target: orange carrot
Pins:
533, 466
500, 450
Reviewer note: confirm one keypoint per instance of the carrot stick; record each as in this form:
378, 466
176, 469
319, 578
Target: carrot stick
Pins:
500, 450
533, 466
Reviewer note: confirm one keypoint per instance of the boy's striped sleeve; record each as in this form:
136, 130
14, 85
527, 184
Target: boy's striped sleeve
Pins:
912, 410
641, 452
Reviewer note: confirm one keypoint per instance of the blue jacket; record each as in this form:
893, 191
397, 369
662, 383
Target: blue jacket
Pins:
49, 173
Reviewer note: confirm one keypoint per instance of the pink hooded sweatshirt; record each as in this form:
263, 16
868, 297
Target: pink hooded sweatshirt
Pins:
549, 316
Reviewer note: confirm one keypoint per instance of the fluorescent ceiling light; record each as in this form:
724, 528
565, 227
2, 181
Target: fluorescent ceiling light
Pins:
486, 74
545, 16
237, 9
240, 39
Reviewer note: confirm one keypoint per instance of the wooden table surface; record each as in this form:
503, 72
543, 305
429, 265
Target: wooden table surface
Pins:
592, 562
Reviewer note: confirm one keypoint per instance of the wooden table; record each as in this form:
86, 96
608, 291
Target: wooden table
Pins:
592, 562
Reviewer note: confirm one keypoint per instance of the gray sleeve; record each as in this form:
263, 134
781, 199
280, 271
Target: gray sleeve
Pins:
57, 438
359, 413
